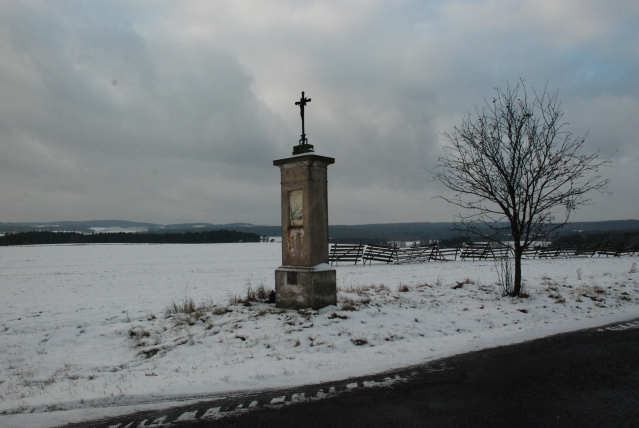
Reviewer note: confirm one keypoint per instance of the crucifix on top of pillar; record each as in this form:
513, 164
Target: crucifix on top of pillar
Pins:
303, 146
305, 279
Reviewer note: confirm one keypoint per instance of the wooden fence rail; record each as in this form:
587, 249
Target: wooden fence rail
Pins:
345, 253
475, 251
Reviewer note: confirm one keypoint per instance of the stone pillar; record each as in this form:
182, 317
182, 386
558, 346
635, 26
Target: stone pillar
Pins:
305, 279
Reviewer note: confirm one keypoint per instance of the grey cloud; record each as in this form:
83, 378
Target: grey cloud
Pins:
173, 112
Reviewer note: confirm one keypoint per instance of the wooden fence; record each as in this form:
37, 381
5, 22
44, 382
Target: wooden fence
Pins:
353, 253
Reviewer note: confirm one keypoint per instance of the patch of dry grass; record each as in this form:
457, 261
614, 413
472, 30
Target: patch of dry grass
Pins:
593, 292
359, 341
354, 305
364, 289
188, 307
259, 294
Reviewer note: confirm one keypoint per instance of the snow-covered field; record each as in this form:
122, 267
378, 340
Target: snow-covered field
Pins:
85, 326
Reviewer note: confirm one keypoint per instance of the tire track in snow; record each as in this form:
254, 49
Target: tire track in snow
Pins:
225, 408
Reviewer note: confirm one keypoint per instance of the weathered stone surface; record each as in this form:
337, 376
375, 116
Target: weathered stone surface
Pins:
305, 243
299, 282
298, 287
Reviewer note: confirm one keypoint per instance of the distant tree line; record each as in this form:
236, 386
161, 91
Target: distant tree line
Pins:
366, 240
455, 242
630, 239
204, 237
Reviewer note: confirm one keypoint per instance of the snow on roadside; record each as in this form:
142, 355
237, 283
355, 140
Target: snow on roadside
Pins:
88, 325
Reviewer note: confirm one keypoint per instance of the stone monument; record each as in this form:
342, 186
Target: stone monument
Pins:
305, 279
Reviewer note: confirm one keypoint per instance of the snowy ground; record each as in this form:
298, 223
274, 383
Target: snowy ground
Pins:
84, 326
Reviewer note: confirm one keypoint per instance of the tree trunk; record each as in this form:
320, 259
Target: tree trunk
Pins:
518, 253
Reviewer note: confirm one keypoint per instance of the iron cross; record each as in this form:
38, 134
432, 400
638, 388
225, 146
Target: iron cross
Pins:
302, 103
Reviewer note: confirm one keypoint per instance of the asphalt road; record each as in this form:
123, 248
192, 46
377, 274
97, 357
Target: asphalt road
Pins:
583, 379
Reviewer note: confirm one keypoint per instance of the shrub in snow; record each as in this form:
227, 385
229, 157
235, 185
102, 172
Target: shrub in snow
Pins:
505, 276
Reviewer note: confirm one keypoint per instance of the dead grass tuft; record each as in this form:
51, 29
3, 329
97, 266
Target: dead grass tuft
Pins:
139, 333
307, 312
188, 307
221, 310
188, 312
354, 305
460, 284
349, 305
142, 338
391, 337
334, 315
593, 292
359, 341
364, 289
259, 294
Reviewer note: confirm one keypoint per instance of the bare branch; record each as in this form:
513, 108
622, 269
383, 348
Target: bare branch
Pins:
515, 170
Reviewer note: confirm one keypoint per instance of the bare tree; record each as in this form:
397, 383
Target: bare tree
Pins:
514, 170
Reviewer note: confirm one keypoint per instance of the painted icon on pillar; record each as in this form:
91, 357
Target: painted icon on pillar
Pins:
296, 204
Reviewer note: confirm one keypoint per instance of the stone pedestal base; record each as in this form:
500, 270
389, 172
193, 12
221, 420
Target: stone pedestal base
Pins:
298, 287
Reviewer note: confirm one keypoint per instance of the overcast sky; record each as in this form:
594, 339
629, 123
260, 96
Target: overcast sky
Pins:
173, 111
